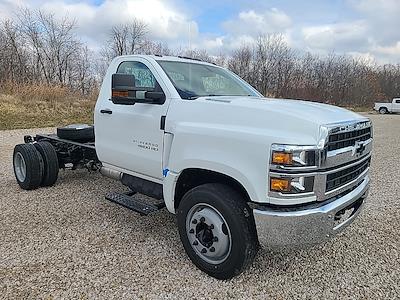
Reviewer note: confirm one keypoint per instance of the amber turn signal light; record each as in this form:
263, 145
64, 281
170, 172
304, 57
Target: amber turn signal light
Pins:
282, 158
280, 185
120, 93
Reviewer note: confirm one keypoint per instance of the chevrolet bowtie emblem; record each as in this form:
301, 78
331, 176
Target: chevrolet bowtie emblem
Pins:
359, 148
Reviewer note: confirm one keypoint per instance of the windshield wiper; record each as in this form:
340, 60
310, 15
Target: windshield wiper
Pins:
186, 95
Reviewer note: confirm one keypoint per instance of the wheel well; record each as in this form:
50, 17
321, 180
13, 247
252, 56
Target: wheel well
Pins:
193, 177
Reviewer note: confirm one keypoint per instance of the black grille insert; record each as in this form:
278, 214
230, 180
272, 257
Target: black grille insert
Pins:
342, 177
346, 139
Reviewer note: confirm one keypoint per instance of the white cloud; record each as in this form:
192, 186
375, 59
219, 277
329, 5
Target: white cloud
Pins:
253, 23
245, 27
373, 35
7, 7
336, 37
164, 22
389, 50
371, 32
382, 17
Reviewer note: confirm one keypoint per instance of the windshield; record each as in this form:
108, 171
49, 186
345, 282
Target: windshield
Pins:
193, 80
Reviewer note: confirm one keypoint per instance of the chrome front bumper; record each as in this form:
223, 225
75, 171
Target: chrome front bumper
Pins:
299, 226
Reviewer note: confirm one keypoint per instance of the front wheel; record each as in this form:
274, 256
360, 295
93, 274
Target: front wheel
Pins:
217, 230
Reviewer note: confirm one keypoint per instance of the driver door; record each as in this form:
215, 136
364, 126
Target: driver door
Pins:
129, 137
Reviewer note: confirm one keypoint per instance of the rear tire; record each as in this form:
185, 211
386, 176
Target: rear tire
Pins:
50, 160
383, 110
214, 211
28, 166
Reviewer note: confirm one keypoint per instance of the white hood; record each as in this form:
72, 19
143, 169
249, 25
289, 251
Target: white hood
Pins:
292, 121
318, 113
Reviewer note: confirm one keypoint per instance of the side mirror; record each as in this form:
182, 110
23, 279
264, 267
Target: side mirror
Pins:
124, 91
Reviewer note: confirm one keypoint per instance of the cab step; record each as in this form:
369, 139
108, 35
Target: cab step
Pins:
126, 200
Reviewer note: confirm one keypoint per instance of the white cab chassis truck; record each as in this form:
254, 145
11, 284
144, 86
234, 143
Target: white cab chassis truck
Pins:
237, 169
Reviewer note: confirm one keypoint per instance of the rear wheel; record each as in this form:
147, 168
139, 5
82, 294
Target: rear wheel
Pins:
217, 230
383, 110
50, 161
28, 166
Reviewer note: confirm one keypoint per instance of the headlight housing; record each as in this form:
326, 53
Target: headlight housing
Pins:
295, 159
293, 156
291, 184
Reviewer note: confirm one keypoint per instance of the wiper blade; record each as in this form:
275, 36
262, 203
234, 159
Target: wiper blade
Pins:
186, 94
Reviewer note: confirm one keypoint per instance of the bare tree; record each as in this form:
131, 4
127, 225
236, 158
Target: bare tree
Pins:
155, 48
125, 39
13, 57
52, 44
39, 48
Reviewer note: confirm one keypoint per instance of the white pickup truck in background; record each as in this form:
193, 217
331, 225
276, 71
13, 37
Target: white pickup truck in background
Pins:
237, 169
387, 107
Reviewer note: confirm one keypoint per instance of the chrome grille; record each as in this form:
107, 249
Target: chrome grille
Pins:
337, 179
346, 139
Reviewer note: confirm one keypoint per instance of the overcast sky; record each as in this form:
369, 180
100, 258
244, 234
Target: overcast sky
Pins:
368, 28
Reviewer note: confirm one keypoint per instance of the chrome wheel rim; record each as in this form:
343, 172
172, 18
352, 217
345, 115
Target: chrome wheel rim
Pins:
20, 167
208, 233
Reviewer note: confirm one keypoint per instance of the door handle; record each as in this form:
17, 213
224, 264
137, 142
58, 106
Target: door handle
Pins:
106, 111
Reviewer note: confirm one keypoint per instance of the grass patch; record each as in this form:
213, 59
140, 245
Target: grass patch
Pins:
32, 106
364, 109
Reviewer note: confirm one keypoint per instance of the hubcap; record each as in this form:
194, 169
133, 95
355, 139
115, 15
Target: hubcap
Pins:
208, 233
20, 167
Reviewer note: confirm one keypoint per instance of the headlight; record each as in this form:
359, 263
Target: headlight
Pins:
285, 164
292, 185
293, 156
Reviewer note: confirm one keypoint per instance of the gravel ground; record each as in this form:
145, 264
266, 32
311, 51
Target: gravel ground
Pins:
67, 241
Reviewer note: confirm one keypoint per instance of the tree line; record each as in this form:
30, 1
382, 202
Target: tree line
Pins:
39, 48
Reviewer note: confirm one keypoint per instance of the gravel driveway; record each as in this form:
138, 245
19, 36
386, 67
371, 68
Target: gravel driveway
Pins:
67, 241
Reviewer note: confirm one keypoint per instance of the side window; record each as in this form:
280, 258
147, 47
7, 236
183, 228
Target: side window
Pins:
398, 101
143, 76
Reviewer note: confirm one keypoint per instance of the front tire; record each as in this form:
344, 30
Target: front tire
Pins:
217, 230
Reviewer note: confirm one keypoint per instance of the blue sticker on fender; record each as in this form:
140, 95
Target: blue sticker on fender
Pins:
165, 172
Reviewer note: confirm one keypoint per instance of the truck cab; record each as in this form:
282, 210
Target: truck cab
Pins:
238, 170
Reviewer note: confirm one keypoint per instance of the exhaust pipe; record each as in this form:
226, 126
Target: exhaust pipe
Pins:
107, 172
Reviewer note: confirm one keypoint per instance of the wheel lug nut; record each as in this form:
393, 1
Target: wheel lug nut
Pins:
212, 226
204, 250
194, 221
191, 230
202, 219
212, 249
195, 243
215, 239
